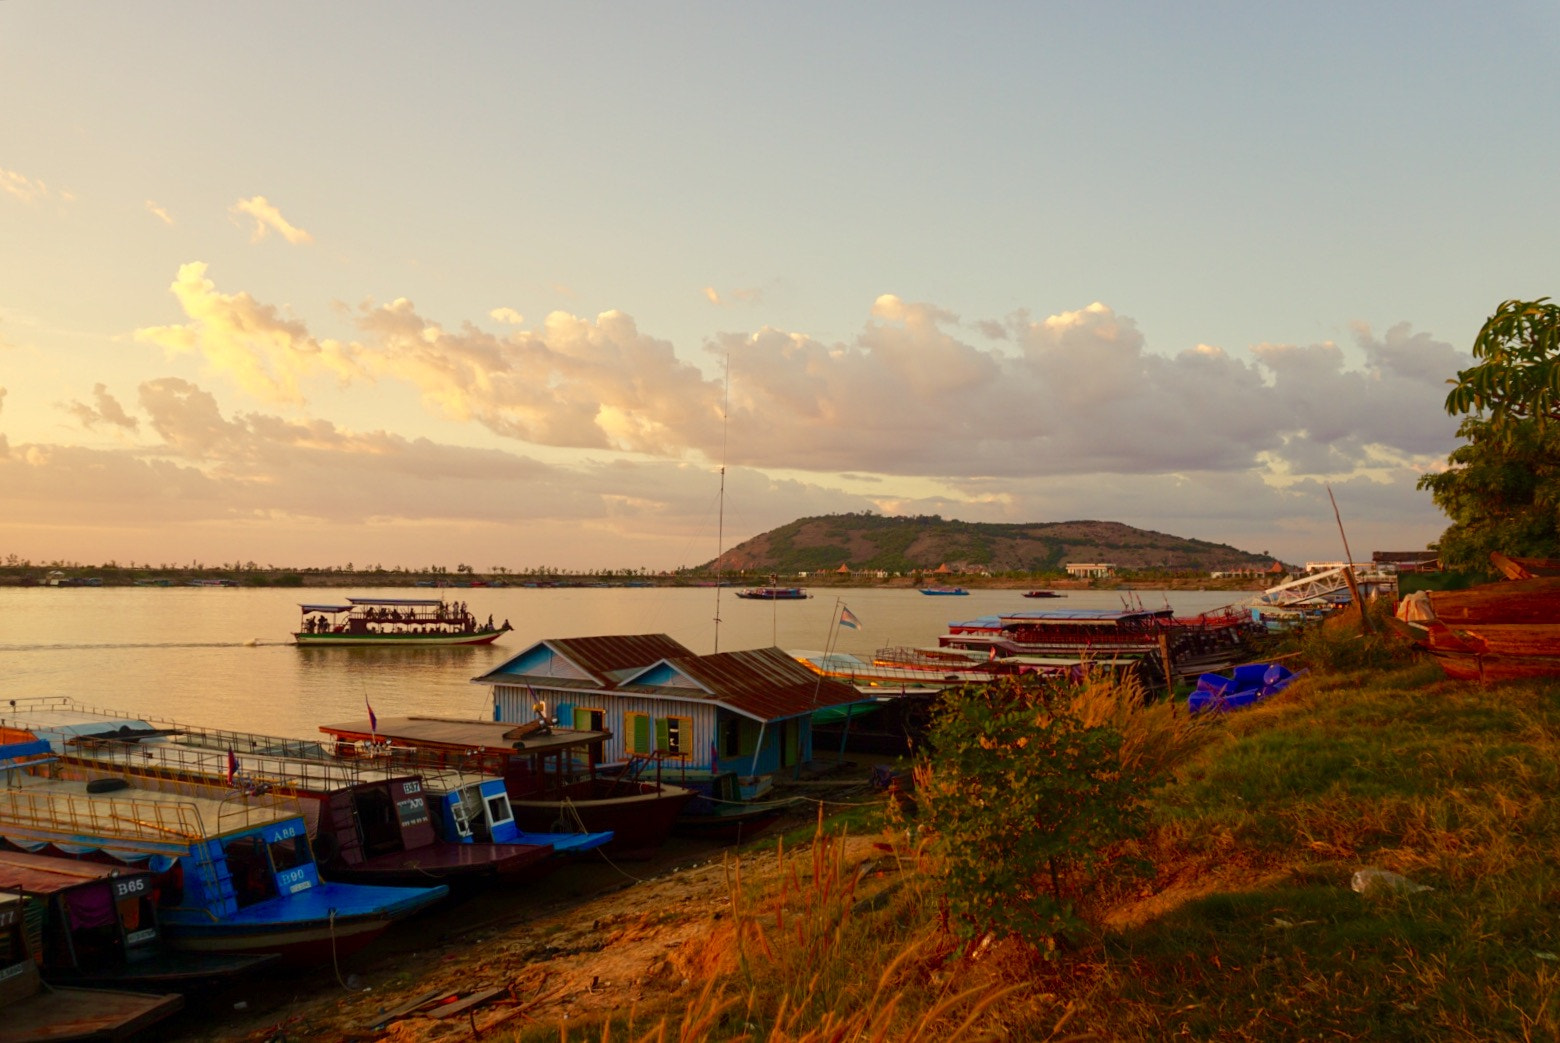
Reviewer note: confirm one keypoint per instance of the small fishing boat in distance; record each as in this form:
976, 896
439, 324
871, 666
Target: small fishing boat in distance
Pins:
774, 594
1043, 594
394, 623
944, 591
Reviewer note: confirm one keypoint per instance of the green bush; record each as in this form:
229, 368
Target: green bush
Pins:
1026, 801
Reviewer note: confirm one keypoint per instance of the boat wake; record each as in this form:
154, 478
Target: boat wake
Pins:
252, 642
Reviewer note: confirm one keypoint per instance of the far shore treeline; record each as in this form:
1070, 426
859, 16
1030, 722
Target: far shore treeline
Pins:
842, 550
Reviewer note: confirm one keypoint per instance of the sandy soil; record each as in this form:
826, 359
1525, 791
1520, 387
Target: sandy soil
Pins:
590, 940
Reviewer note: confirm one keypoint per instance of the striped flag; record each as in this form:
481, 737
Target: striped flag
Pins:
848, 619
232, 766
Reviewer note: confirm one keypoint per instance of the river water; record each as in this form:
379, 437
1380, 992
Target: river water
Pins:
224, 657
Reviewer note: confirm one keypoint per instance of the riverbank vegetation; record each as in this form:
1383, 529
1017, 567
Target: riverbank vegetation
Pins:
1374, 853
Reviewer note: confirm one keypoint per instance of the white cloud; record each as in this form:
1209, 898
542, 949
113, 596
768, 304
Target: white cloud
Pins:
158, 212
30, 190
269, 219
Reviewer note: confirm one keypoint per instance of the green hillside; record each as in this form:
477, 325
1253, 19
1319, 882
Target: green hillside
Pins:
896, 544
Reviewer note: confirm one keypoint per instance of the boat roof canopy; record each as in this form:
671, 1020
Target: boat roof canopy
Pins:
397, 601
326, 608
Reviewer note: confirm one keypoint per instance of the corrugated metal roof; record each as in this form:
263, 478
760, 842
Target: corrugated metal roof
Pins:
601, 657
42, 874
764, 683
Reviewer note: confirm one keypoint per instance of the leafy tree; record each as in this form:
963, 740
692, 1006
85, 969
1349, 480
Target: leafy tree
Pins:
1502, 490
1026, 800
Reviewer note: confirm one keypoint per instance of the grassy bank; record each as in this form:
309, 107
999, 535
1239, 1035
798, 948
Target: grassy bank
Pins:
1249, 925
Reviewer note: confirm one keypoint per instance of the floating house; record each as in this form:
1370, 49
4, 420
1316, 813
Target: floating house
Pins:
748, 712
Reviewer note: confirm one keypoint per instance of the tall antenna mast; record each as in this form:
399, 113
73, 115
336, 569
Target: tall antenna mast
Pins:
720, 524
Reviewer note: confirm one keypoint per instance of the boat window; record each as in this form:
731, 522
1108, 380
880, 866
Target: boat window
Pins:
290, 853
250, 869
498, 810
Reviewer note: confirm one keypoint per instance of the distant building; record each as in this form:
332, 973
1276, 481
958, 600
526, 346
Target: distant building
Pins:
1090, 570
1408, 560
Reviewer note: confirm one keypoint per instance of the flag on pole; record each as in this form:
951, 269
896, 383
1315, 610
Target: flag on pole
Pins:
848, 619
373, 722
232, 766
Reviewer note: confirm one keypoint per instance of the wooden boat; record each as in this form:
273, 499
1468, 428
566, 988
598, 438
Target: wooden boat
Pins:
234, 873
1507, 601
1043, 594
394, 623
32, 1012
944, 591
370, 821
1493, 651
96, 925
774, 594
1193, 645
1524, 568
549, 774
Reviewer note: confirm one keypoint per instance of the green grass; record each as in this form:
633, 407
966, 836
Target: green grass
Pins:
1248, 928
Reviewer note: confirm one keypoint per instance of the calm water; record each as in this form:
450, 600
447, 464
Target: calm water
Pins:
223, 657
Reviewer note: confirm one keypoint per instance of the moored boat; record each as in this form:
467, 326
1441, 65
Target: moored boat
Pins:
235, 872
549, 774
1043, 594
944, 591
32, 1012
774, 594
370, 821
394, 623
98, 926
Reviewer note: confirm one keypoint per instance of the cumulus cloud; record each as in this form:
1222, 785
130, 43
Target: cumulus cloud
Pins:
105, 410
252, 343
268, 219
917, 392
1020, 418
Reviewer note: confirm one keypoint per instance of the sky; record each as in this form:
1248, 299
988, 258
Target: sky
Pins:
610, 286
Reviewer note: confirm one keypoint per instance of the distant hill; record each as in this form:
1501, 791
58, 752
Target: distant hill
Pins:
872, 541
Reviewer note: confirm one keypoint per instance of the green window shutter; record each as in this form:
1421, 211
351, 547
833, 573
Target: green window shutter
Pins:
641, 733
662, 737
581, 719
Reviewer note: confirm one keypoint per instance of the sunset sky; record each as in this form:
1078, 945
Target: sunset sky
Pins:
411, 284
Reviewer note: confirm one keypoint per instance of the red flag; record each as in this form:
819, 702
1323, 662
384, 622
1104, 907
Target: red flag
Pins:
232, 766
373, 722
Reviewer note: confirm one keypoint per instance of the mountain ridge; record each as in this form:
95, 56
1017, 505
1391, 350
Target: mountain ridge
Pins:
924, 543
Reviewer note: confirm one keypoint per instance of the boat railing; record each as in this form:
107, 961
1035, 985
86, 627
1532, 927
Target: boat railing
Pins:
253, 773
149, 827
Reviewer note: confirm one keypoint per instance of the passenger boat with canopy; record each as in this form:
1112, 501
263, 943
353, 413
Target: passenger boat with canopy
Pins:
550, 774
394, 623
233, 871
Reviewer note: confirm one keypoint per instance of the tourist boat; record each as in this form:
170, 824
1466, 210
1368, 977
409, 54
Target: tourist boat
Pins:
394, 623
97, 926
32, 1012
944, 591
774, 594
234, 871
1043, 594
370, 821
1179, 646
549, 774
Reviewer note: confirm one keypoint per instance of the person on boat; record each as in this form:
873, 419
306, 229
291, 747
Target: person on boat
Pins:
489, 622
